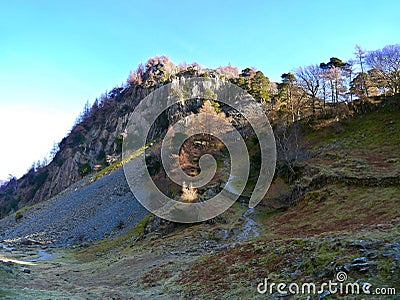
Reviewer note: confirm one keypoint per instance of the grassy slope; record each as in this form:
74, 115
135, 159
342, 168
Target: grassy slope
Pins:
314, 239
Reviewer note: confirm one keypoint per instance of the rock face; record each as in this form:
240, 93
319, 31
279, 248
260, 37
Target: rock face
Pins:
99, 142
95, 141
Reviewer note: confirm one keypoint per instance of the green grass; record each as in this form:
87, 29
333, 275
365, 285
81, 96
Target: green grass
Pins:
364, 146
121, 162
376, 131
21, 212
335, 208
28, 294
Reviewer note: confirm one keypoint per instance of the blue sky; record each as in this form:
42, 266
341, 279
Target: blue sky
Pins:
56, 55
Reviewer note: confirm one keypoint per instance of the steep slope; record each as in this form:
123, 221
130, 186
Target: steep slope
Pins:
82, 213
92, 144
95, 141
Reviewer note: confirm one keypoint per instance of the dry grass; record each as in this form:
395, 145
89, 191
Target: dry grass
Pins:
189, 193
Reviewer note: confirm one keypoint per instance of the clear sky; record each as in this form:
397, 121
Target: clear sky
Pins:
56, 55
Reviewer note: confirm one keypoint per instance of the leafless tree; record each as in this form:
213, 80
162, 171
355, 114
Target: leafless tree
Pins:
385, 64
360, 53
228, 71
309, 79
287, 137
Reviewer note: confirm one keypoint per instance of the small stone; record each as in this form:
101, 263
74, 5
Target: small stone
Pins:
371, 255
361, 267
361, 244
253, 282
360, 260
324, 294
7, 249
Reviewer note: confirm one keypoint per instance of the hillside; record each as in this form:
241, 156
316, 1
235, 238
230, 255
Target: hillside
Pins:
338, 212
95, 141
74, 229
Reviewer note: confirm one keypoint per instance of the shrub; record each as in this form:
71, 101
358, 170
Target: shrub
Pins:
18, 215
189, 193
120, 225
118, 143
101, 156
77, 138
84, 169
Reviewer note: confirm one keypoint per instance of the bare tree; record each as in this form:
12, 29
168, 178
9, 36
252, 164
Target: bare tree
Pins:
309, 79
228, 71
360, 53
287, 137
386, 65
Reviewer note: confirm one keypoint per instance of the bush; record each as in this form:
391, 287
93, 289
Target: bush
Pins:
18, 215
118, 143
120, 225
77, 138
101, 156
84, 169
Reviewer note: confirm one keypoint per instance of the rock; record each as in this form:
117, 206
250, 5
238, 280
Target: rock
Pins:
7, 249
363, 269
324, 294
360, 260
361, 244
371, 255
324, 273
220, 234
29, 242
360, 267
347, 267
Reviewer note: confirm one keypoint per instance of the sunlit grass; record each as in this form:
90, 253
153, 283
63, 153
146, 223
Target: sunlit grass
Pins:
15, 261
122, 161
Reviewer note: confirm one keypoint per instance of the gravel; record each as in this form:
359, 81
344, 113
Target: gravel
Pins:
84, 212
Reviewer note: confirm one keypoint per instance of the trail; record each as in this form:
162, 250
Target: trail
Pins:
250, 227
